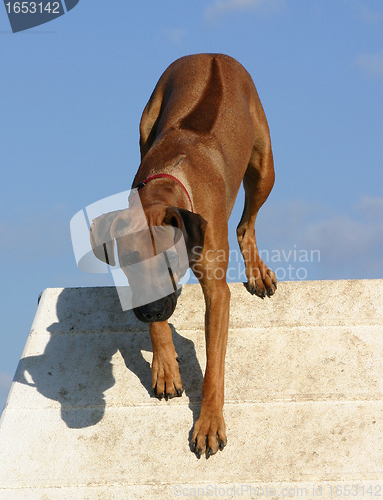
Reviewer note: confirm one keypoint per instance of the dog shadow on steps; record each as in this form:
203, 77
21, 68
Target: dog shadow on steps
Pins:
76, 368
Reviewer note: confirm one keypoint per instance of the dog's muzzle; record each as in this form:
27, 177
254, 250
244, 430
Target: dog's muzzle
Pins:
159, 310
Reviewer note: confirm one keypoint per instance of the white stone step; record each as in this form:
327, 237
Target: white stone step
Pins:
303, 399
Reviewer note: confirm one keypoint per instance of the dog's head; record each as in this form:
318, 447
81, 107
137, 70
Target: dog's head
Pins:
153, 251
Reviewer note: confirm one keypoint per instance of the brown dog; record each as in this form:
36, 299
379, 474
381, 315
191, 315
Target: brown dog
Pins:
205, 128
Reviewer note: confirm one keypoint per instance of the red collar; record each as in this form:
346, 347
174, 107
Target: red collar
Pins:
142, 184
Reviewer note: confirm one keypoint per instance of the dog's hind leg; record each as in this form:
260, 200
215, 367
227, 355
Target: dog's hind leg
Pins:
257, 182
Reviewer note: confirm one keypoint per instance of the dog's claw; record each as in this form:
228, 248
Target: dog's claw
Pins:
263, 294
209, 453
192, 446
179, 393
222, 445
275, 284
271, 293
198, 453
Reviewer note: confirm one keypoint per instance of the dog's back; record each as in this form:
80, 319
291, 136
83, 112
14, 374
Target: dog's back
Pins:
209, 95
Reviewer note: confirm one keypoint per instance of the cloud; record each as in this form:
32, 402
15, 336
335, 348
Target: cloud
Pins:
221, 7
68, 277
35, 236
371, 64
5, 381
342, 237
365, 12
5, 384
371, 207
349, 243
176, 35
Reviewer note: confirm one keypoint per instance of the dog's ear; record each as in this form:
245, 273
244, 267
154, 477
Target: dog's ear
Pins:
193, 227
101, 238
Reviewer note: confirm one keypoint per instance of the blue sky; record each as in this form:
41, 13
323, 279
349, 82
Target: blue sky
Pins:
72, 95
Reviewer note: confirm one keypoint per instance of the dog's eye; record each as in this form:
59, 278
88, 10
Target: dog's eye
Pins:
130, 258
172, 259
124, 262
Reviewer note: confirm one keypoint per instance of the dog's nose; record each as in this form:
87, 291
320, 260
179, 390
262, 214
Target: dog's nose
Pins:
153, 311
159, 310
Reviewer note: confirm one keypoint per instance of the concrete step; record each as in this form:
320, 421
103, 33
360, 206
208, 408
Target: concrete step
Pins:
303, 399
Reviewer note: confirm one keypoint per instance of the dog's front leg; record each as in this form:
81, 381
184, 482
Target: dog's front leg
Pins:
209, 434
166, 379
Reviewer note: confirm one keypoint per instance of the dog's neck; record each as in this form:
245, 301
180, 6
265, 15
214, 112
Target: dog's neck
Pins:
165, 191
152, 177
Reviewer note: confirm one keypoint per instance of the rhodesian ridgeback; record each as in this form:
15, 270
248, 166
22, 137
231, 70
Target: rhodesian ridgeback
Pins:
202, 133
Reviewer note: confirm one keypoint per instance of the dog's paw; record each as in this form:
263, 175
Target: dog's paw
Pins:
209, 434
166, 378
261, 280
